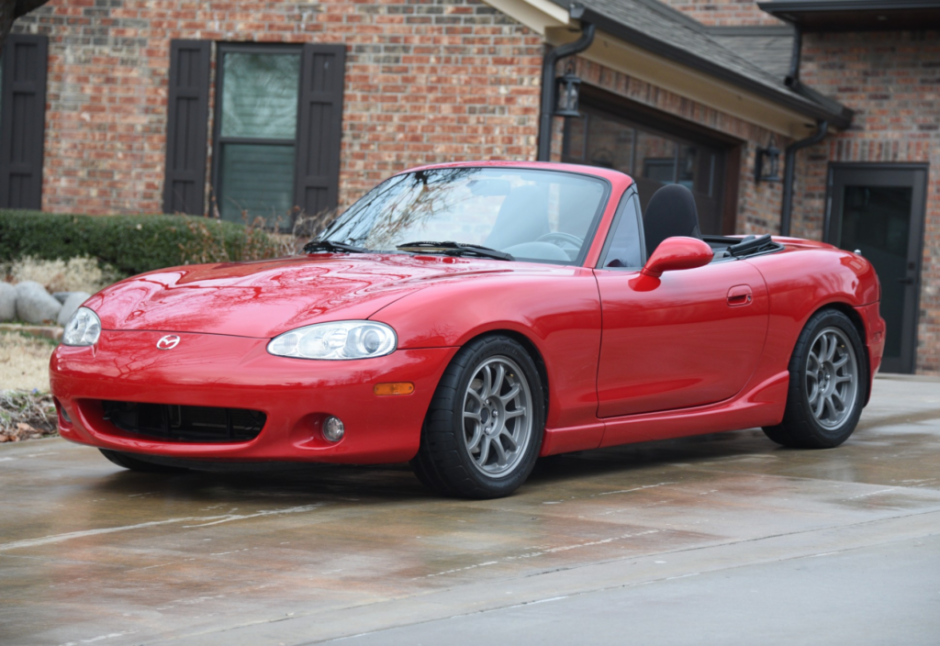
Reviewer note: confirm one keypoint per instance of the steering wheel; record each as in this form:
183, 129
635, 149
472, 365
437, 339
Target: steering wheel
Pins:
561, 239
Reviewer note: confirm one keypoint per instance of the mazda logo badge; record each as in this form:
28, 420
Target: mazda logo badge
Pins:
168, 342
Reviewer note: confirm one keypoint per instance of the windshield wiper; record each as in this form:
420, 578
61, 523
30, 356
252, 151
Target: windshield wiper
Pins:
452, 248
329, 245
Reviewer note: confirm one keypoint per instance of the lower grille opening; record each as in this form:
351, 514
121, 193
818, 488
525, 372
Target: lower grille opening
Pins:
174, 423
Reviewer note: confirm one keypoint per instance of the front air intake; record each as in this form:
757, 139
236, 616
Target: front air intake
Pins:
195, 424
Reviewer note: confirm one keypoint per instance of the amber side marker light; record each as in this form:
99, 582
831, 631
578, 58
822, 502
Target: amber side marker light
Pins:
397, 388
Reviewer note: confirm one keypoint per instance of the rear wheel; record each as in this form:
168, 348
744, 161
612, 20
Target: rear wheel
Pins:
828, 377
136, 464
484, 427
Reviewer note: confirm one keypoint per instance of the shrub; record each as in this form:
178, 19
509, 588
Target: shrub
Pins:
131, 243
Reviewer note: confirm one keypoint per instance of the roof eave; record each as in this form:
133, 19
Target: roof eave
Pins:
839, 119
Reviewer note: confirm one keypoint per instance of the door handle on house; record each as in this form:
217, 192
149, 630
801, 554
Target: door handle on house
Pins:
739, 296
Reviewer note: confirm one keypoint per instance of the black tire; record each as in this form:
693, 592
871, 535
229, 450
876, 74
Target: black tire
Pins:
135, 464
803, 426
455, 454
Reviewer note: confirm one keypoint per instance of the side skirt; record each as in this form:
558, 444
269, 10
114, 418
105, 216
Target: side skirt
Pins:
762, 405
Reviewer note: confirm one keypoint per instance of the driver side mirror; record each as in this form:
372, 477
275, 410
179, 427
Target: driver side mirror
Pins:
677, 253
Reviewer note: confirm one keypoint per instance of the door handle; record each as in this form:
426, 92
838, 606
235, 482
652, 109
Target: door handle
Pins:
906, 281
739, 296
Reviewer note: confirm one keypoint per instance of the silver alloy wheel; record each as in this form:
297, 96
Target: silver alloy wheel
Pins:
497, 416
831, 378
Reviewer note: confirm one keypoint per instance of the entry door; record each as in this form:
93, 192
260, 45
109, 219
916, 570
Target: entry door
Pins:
690, 339
879, 211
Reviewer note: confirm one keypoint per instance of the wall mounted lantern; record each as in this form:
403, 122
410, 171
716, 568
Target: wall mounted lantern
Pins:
567, 88
767, 163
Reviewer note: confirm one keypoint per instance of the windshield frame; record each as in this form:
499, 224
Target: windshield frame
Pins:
589, 236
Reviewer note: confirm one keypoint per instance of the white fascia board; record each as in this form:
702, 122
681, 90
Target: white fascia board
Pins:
537, 15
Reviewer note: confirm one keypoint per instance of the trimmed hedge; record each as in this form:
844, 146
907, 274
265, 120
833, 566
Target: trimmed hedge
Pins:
131, 243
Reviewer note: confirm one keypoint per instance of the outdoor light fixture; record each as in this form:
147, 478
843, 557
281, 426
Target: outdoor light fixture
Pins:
770, 173
566, 93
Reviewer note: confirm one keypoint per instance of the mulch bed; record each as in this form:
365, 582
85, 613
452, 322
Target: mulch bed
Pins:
26, 415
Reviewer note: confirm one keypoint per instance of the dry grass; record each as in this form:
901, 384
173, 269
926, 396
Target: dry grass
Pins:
26, 416
24, 362
73, 275
26, 408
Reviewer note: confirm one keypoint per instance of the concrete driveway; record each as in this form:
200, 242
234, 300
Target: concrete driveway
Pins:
724, 539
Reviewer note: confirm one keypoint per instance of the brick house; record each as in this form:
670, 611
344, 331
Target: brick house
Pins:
287, 105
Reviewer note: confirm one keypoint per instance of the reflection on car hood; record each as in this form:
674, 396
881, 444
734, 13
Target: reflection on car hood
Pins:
263, 299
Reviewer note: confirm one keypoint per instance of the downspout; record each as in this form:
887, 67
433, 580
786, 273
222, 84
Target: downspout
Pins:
790, 162
792, 81
548, 80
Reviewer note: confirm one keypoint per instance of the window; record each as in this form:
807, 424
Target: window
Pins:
22, 120
276, 130
257, 127
653, 157
539, 215
624, 248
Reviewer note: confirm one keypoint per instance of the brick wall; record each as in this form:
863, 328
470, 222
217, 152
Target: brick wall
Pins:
891, 80
724, 12
433, 81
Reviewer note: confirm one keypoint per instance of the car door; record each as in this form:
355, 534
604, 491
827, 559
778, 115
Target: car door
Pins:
690, 338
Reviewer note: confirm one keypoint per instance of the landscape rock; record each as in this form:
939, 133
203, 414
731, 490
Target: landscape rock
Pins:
7, 302
34, 304
61, 296
72, 303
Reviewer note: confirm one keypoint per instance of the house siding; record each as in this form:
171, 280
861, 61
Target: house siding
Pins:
890, 80
445, 80
425, 82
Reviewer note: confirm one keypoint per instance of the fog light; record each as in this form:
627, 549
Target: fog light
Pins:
333, 429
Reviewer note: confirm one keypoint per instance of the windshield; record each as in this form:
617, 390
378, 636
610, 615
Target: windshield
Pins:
540, 215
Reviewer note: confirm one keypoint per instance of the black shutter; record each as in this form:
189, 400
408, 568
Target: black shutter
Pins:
319, 127
22, 121
187, 126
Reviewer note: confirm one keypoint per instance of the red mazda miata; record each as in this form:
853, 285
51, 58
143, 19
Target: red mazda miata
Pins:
470, 318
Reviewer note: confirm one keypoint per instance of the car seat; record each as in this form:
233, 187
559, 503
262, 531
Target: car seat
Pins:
670, 212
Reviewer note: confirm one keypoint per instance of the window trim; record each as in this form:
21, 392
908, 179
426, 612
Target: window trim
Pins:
218, 140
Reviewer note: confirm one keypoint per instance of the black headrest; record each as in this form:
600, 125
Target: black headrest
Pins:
670, 212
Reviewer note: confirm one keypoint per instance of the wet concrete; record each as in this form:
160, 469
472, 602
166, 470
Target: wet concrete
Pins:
743, 541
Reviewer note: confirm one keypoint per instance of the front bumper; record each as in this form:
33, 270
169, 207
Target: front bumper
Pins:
296, 395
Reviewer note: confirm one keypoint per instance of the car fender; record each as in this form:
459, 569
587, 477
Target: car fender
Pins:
557, 310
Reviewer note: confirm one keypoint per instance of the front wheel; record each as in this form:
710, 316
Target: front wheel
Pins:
483, 431
828, 377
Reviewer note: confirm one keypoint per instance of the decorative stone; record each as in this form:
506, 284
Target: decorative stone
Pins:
7, 302
61, 296
72, 303
34, 304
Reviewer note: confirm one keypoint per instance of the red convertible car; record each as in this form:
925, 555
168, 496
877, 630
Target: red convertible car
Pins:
470, 318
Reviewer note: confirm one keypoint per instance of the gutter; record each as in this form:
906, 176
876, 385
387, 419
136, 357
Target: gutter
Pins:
789, 170
548, 79
839, 117
778, 8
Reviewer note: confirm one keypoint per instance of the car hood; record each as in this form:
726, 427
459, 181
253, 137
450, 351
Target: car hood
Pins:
263, 299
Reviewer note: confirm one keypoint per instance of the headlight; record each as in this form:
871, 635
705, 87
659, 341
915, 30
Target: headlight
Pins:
335, 341
83, 328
